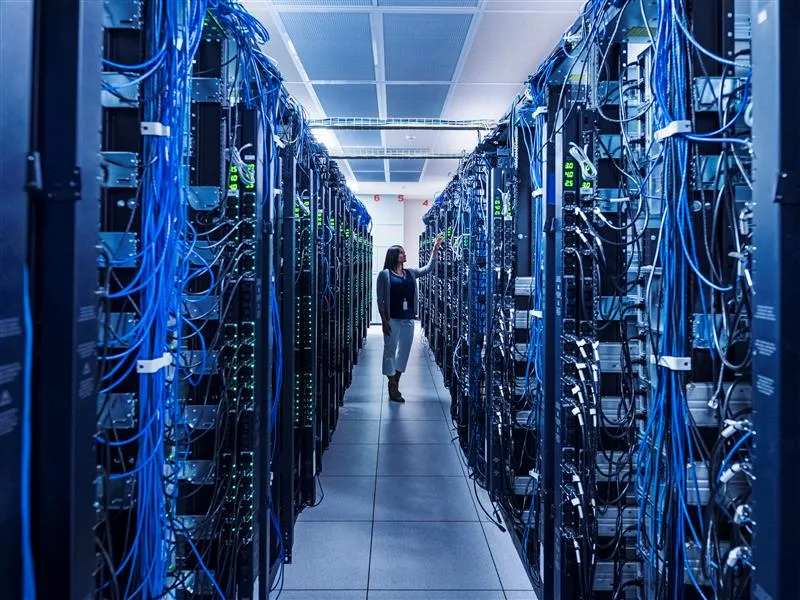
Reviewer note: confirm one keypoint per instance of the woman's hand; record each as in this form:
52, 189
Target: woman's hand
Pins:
387, 330
437, 243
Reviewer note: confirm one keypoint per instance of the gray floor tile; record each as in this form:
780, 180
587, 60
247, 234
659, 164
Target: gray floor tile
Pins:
516, 595
350, 459
323, 595
372, 382
346, 499
373, 394
431, 556
356, 432
419, 393
423, 499
414, 411
360, 410
316, 567
415, 432
420, 460
482, 495
507, 560
432, 595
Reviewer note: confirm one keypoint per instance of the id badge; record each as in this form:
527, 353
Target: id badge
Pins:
405, 304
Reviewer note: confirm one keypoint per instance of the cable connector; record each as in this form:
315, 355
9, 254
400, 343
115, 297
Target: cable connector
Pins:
740, 554
735, 468
732, 426
743, 514
674, 128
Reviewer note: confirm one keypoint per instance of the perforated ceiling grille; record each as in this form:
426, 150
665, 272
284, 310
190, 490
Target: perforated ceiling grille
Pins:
354, 100
424, 101
358, 139
358, 164
407, 164
332, 45
370, 176
423, 47
405, 176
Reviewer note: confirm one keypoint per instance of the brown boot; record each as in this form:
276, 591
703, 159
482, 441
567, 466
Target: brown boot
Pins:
394, 392
397, 386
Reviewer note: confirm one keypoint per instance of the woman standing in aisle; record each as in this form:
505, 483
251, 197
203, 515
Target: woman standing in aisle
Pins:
397, 305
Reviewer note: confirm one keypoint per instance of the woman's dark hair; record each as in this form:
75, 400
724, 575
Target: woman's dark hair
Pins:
392, 254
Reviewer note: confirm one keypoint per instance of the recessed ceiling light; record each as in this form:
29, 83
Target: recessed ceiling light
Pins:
411, 138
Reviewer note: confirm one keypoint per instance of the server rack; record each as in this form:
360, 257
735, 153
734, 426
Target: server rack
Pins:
63, 171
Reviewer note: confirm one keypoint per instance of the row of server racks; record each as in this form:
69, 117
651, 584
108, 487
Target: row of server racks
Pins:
185, 290
606, 310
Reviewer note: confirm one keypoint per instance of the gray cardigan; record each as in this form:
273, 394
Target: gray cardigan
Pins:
384, 281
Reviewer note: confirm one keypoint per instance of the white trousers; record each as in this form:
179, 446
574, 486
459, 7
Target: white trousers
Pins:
397, 346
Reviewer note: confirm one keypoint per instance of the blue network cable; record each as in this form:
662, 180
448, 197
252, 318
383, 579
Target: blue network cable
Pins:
28, 566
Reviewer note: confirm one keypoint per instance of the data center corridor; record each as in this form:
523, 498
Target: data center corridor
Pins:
399, 519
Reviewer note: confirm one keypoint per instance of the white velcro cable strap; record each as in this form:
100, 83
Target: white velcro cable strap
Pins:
540, 110
154, 128
537, 314
537, 193
674, 363
674, 128
154, 365
278, 141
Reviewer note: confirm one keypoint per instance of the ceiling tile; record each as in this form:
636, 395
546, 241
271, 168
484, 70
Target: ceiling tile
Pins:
479, 101
442, 168
407, 164
370, 176
358, 139
405, 177
423, 47
332, 45
366, 164
409, 101
522, 39
356, 100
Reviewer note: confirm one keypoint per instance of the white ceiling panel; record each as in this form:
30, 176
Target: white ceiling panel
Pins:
522, 39
474, 100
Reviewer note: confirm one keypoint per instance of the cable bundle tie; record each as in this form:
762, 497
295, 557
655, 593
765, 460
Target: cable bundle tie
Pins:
154, 128
674, 363
537, 193
154, 365
674, 128
540, 110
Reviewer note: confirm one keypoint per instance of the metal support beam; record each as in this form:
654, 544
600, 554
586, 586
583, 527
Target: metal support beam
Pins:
383, 153
412, 124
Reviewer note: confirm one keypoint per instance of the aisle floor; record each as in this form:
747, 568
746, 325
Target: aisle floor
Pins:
399, 520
